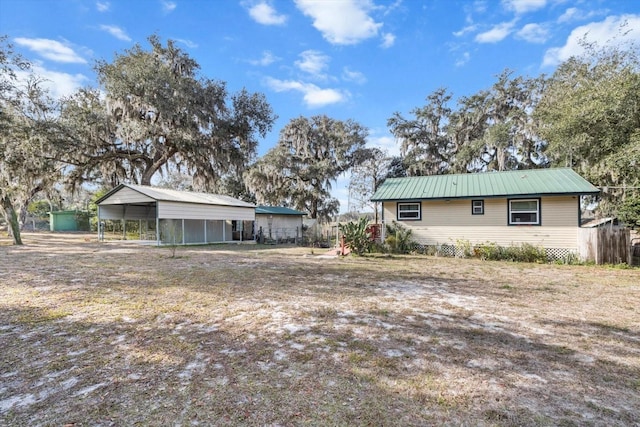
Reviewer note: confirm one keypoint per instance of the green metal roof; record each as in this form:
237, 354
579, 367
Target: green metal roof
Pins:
277, 210
539, 182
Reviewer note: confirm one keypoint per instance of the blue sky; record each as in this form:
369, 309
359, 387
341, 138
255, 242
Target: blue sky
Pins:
348, 59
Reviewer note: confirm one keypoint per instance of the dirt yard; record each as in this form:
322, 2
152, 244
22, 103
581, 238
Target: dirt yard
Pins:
115, 334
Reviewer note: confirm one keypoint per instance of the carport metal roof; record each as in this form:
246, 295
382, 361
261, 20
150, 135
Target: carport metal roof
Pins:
149, 194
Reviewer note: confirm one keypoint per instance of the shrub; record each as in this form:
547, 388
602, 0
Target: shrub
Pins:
489, 251
526, 252
356, 236
529, 253
464, 249
398, 239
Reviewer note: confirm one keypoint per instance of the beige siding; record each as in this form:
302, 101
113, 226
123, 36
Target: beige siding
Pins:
458, 212
548, 237
197, 211
126, 195
560, 211
445, 222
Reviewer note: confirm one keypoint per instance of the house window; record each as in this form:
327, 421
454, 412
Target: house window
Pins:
409, 211
524, 212
477, 207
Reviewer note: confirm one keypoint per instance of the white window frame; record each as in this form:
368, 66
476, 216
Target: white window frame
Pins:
413, 218
480, 206
534, 211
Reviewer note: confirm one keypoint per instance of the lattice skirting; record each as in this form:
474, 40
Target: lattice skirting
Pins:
553, 254
557, 254
441, 250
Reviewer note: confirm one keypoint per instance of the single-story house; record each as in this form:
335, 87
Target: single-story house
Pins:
540, 207
278, 223
177, 217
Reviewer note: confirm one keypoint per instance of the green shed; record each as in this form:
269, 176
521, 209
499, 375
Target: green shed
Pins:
69, 221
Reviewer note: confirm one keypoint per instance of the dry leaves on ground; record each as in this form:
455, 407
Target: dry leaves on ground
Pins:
121, 334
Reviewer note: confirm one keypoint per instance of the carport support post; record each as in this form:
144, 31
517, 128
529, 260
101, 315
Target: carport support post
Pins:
183, 231
157, 228
100, 231
124, 222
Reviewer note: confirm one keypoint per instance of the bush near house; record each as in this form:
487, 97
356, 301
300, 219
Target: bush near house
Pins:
357, 236
522, 253
398, 239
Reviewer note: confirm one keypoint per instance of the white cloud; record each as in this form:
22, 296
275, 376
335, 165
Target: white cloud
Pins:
341, 22
58, 84
392, 7
314, 63
479, 6
313, 95
267, 58
465, 30
533, 33
51, 49
385, 143
498, 33
188, 43
263, 13
569, 15
103, 6
353, 76
388, 40
523, 6
615, 30
463, 59
574, 14
168, 6
116, 32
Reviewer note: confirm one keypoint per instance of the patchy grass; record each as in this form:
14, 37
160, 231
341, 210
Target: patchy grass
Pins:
118, 334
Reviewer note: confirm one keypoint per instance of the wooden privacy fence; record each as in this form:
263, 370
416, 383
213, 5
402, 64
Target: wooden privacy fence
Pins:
605, 245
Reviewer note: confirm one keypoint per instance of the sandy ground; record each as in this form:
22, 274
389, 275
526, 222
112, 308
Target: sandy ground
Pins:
122, 334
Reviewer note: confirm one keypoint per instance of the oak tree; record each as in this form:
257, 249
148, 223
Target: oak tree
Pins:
590, 116
424, 143
159, 115
310, 155
28, 127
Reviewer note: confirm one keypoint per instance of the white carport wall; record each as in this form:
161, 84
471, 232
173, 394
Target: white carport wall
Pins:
179, 217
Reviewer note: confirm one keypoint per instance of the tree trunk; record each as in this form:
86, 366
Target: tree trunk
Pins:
145, 179
22, 216
12, 219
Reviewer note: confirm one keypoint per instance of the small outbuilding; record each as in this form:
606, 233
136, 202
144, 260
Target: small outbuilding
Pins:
176, 217
277, 223
69, 221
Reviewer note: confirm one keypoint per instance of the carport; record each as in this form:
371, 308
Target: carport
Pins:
177, 217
